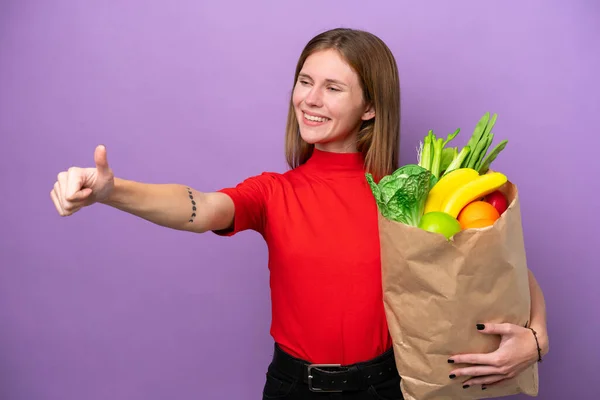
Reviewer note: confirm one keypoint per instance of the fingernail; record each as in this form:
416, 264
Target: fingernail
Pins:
452, 376
465, 386
450, 361
480, 327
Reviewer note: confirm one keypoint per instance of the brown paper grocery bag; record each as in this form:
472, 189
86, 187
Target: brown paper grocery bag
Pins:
436, 291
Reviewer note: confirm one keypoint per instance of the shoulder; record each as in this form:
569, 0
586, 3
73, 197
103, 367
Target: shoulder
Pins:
268, 183
266, 178
261, 184
273, 178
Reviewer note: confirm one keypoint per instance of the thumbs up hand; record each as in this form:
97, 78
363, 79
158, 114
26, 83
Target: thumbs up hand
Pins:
80, 187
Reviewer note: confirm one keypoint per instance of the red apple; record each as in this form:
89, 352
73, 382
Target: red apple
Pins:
498, 200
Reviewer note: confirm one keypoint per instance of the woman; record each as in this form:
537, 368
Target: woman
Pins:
319, 220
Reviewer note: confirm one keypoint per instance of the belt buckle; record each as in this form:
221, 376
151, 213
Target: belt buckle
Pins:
310, 378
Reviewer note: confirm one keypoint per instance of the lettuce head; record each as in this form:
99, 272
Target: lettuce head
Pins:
401, 196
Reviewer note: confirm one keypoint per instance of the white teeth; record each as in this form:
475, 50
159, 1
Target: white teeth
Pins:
315, 119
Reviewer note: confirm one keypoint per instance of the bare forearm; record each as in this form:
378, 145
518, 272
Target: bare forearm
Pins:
171, 205
538, 313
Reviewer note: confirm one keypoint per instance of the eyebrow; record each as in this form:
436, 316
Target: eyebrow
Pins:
304, 75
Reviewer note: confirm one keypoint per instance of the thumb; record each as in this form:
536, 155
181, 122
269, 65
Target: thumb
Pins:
496, 329
100, 160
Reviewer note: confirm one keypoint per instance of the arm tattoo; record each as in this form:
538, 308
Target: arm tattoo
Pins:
193, 205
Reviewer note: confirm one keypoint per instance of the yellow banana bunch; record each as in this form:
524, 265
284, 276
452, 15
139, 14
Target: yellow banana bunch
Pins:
476, 188
447, 185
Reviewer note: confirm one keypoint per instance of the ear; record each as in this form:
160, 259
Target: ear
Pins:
369, 113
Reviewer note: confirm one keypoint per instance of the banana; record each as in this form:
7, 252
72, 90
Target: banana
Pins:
447, 185
481, 186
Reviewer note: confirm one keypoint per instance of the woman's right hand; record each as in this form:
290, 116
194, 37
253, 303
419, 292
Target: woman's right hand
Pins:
80, 187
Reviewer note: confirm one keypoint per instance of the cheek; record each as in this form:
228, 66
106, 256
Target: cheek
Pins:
346, 113
297, 96
339, 108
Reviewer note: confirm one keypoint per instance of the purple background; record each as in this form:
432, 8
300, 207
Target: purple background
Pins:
103, 306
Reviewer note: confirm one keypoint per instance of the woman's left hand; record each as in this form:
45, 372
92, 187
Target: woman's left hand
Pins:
517, 351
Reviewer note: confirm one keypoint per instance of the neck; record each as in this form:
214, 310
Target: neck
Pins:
337, 148
326, 161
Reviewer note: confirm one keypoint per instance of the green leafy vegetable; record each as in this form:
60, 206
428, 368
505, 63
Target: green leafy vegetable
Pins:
480, 150
434, 156
485, 164
476, 136
448, 155
490, 124
451, 136
459, 160
430, 153
401, 196
480, 142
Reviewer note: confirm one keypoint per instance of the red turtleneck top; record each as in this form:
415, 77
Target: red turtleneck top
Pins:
319, 221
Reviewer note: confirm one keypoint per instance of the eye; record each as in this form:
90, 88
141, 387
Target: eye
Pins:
304, 82
333, 89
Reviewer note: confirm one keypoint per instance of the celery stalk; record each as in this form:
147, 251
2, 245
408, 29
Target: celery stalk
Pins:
426, 154
438, 145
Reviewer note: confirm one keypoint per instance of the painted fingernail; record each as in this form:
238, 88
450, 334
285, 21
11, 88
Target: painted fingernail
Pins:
465, 386
452, 376
480, 327
450, 361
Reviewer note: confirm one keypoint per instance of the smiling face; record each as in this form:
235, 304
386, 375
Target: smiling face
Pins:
328, 101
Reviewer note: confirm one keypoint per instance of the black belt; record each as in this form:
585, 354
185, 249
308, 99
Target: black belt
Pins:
336, 377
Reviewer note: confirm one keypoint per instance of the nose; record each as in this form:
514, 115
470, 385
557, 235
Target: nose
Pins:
314, 97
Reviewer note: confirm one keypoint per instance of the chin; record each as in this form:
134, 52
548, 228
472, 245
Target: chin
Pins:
313, 139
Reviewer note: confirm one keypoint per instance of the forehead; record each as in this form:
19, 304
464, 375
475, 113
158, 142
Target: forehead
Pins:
329, 64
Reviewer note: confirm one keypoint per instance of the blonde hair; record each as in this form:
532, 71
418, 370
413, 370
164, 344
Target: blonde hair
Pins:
374, 63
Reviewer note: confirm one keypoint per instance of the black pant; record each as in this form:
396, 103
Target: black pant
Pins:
284, 382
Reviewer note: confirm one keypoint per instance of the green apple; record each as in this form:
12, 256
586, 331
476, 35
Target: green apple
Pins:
440, 222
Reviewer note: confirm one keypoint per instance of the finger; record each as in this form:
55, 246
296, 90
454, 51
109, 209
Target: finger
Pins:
485, 386
484, 380
66, 207
74, 183
81, 195
73, 208
61, 184
480, 359
496, 329
62, 188
101, 160
56, 202
480, 370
